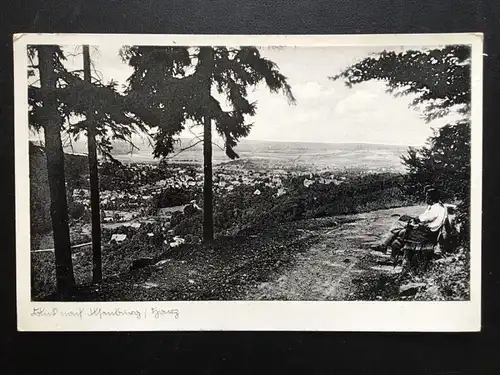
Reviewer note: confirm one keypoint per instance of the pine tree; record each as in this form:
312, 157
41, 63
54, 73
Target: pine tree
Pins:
440, 82
45, 115
106, 116
104, 110
176, 85
93, 178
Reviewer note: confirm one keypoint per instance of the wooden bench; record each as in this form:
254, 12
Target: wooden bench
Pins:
415, 250
418, 250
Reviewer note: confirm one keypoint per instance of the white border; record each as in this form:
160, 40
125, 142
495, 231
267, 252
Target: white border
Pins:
250, 315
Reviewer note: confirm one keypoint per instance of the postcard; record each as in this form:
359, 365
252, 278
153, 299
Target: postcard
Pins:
248, 182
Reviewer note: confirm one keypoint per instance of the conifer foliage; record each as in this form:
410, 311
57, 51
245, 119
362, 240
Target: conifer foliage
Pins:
178, 87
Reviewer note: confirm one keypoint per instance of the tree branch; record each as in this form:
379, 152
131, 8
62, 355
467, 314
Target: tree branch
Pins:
149, 139
184, 149
201, 139
219, 147
196, 135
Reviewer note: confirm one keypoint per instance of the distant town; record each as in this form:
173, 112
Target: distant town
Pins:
140, 201
157, 193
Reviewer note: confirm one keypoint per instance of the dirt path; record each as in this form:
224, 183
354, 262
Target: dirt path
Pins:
326, 270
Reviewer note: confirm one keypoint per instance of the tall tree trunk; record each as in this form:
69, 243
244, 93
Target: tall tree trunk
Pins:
52, 122
94, 180
207, 62
208, 213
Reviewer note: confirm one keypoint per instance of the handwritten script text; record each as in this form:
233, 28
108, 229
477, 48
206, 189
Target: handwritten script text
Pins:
102, 313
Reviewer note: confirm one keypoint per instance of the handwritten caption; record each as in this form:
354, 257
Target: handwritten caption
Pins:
101, 313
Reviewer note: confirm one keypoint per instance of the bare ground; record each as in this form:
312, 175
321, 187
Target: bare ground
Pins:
336, 264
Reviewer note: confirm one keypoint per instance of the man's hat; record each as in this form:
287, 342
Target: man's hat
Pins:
429, 188
432, 192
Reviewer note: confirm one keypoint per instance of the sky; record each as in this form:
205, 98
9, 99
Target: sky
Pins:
326, 111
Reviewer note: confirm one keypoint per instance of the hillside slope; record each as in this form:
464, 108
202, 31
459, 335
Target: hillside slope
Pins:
315, 259
75, 167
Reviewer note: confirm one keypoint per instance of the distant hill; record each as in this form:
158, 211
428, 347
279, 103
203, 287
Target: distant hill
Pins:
343, 155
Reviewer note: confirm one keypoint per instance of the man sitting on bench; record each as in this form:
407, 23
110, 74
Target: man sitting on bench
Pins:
425, 226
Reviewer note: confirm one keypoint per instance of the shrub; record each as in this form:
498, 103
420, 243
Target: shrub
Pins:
444, 163
76, 210
170, 197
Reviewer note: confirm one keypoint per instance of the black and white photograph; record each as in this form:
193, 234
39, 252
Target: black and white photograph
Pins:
327, 176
